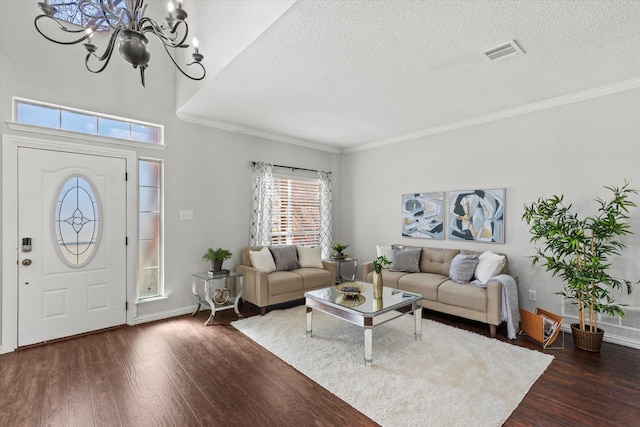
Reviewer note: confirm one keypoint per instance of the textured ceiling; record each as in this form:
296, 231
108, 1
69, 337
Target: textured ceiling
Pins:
348, 74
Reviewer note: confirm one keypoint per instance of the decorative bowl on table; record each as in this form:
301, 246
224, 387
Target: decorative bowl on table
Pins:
350, 300
350, 289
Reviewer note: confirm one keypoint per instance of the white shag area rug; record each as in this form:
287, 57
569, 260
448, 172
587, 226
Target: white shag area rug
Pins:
450, 378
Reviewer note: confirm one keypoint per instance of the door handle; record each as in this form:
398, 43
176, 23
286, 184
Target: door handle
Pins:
26, 262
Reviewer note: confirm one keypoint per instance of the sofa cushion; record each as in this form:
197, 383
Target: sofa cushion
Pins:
489, 265
309, 257
462, 267
285, 257
262, 260
467, 296
436, 260
406, 259
313, 278
425, 284
284, 282
389, 278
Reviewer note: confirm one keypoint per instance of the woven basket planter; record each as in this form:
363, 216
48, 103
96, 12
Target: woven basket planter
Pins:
585, 340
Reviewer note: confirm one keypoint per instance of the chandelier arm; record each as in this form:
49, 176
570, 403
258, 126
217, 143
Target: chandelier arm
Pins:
204, 71
105, 57
63, 28
174, 30
140, 4
131, 11
135, 11
149, 25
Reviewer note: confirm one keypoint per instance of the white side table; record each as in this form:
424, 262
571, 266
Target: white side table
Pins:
338, 263
215, 295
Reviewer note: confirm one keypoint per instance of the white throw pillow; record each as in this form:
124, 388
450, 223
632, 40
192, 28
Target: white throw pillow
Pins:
263, 260
386, 251
309, 257
489, 264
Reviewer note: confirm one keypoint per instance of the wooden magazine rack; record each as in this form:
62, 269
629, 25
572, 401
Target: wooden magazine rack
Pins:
533, 325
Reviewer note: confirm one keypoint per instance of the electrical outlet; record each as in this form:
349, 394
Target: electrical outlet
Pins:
186, 215
532, 295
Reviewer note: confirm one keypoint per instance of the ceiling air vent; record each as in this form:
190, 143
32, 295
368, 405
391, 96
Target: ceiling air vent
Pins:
502, 52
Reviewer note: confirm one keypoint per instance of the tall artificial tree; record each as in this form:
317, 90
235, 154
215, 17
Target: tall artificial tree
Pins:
578, 249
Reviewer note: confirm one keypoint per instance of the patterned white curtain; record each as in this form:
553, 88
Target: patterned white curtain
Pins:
326, 219
261, 213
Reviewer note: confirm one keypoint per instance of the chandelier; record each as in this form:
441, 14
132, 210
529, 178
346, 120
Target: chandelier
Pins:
126, 25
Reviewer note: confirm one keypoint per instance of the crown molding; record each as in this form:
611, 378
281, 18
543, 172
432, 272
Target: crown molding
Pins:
232, 127
474, 121
529, 108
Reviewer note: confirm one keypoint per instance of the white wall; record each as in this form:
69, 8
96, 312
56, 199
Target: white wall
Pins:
574, 149
206, 170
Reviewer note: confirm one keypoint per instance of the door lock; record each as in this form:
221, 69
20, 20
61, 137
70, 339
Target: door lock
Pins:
26, 262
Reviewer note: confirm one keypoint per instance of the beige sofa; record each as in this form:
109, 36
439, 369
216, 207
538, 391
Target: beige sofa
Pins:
264, 289
443, 294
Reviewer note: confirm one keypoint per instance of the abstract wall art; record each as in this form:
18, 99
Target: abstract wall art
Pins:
477, 215
423, 215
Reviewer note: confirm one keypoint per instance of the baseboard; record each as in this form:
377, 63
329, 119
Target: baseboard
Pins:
165, 314
145, 319
612, 338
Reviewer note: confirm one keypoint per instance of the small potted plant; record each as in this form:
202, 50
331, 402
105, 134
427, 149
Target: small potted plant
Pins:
216, 258
578, 250
378, 265
339, 250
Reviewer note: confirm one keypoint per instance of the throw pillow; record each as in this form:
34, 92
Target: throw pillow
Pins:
462, 267
384, 251
285, 257
262, 260
489, 265
407, 260
309, 257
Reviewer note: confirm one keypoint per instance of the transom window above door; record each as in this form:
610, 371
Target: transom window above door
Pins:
50, 116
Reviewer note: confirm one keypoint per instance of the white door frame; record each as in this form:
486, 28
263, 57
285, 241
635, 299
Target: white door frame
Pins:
10, 244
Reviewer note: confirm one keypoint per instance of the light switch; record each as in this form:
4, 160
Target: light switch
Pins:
186, 215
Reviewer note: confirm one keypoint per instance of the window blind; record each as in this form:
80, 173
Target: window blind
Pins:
295, 212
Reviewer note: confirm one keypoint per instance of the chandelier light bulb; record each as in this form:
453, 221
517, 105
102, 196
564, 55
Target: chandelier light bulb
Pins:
91, 48
194, 42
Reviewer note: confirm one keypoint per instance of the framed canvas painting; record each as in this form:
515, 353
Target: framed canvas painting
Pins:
477, 215
423, 215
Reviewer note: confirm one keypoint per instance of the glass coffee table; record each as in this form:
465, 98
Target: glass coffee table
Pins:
364, 310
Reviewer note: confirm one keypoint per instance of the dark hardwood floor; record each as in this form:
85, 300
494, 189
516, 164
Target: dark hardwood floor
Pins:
178, 372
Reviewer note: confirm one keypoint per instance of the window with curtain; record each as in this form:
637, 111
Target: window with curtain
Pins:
290, 210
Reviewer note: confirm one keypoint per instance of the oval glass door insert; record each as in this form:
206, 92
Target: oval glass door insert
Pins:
77, 221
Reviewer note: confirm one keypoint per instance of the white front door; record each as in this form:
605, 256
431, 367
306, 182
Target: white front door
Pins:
72, 207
